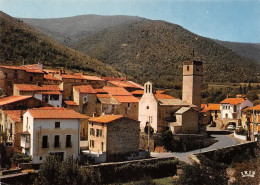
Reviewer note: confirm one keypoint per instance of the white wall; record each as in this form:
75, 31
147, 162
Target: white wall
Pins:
148, 100
56, 103
47, 127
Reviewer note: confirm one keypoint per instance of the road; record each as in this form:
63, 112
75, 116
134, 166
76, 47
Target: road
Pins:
223, 141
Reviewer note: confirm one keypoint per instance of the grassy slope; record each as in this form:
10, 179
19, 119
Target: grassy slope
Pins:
21, 43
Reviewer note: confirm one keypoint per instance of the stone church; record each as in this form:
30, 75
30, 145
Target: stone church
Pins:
179, 116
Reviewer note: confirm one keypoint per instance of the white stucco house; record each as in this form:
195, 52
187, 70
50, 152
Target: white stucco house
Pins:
51, 130
231, 109
52, 97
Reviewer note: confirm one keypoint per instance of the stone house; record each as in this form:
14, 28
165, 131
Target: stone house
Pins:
9, 75
12, 125
251, 114
211, 112
30, 90
52, 97
231, 110
50, 79
185, 123
113, 137
51, 130
159, 109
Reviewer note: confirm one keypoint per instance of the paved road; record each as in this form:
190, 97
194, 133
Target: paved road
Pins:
223, 141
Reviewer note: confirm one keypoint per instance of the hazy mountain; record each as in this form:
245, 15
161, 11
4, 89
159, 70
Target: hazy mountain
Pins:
71, 29
249, 50
22, 44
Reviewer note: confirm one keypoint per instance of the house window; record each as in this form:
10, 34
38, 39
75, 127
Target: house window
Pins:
31, 78
91, 143
147, 107
56, 141
235, 108
99, 133
102, 146
92, 132
128, 105
45, 142
6, 75
188, 68
54, 97
57, 124
68, 141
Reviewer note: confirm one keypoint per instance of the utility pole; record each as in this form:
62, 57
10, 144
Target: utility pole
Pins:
148, 126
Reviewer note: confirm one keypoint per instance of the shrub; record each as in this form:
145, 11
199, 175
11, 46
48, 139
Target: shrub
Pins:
241, 131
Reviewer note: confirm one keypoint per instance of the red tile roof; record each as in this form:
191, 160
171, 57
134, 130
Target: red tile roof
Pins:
103, 95
70, 76
50, 77
69, 102
122, 84
105, 118
85, 89
113, 79
126, 99
211, 107
163, 96
202, 106
29, 87
257, 107
138, 92
24, 68
12, 99
15, 115
136, 84
55, 113
95, 78
49, 92
117, 91
233, 101
100, 91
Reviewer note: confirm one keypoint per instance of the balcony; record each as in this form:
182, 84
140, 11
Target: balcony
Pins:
25, 144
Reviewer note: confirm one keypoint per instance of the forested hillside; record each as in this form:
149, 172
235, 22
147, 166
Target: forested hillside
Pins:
22, 44
154, 50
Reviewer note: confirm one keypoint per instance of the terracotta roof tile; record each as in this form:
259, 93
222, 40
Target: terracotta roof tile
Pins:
30, 87
202, 106
49, 92
24, 68
50, 77
163, 96
136, 84
113, 79
103, 95
95, 78
105, 118
85, 89
233, 101
211, 107
122, 84
126, 99
12, 99
117, 91
69, 102
15, 115
100, 91
138, 92
55, 113
70, 76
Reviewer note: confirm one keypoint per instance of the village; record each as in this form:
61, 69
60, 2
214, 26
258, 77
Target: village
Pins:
107, 119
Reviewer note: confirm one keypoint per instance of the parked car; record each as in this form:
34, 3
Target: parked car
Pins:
231, 127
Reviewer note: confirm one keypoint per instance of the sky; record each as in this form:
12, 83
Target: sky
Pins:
229, 20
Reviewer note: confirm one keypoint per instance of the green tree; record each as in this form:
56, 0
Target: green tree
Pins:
53, 171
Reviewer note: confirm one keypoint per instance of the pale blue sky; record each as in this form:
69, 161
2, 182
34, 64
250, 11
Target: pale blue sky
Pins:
230, 20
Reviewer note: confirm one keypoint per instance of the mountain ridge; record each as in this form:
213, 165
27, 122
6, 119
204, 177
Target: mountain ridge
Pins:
22, 44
